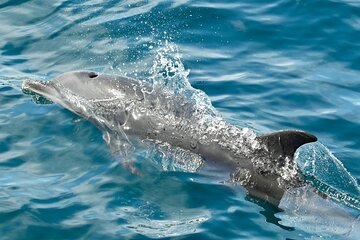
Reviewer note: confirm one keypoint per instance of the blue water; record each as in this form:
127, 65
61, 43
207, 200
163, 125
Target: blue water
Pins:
266, 65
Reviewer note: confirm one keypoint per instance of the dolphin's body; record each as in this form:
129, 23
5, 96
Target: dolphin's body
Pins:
127, 107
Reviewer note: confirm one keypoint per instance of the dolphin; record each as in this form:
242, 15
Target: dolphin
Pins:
263, 164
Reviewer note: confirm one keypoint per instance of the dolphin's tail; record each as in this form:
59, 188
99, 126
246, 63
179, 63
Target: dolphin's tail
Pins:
283, 144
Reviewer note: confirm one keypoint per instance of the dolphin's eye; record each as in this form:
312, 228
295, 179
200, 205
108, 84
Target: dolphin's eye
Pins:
93, 75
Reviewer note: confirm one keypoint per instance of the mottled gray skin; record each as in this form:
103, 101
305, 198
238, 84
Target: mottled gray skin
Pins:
123, 105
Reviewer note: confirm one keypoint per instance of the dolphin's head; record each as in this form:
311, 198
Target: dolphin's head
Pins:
80, 91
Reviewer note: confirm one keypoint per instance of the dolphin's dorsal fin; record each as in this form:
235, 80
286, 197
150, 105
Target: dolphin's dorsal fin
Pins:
285, 143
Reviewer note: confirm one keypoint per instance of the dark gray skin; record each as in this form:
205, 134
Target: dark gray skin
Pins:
125, 106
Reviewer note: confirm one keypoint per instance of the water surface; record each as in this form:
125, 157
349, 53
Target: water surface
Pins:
266, 65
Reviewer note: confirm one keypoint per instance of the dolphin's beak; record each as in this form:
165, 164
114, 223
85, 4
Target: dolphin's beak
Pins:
33, 86
46, 92
42, 92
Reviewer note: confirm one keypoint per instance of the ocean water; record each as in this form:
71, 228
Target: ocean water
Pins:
266, 65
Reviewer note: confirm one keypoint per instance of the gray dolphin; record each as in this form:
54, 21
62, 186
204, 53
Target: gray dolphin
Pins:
127, 107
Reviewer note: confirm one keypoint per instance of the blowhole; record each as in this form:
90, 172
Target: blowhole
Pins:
93, 75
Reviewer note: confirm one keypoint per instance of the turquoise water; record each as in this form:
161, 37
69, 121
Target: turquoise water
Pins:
266, 65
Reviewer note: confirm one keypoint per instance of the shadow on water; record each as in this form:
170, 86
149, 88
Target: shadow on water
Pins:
269, 212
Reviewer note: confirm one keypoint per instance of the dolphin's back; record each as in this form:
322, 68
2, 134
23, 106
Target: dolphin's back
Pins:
123, 105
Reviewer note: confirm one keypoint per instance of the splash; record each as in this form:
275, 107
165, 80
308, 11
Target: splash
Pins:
328, 175
169, 78
305, 209
191, 113
168, 75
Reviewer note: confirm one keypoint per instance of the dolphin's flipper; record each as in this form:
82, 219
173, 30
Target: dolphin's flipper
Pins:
122, 150
284, 143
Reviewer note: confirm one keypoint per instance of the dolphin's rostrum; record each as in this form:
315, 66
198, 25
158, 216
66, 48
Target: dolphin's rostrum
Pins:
126, 107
